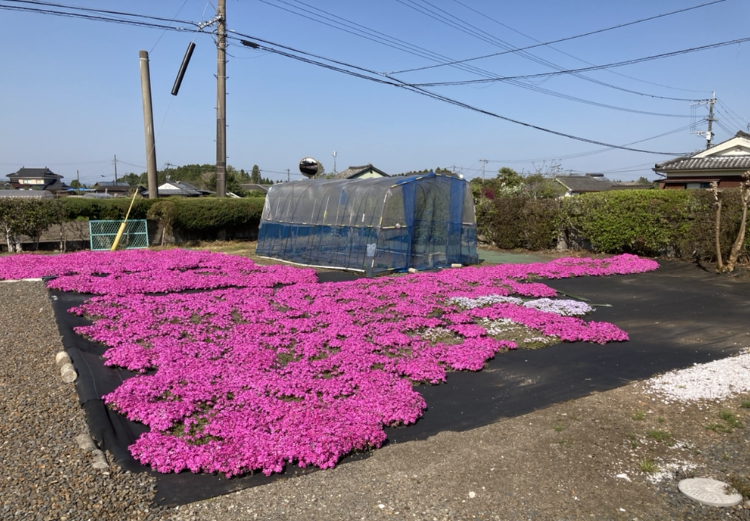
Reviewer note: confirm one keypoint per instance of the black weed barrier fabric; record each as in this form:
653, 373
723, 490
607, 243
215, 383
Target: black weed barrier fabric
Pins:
676, 316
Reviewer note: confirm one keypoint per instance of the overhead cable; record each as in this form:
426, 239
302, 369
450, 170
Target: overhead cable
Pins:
349, 69
370, 75
558, 40
361, 31
586, 69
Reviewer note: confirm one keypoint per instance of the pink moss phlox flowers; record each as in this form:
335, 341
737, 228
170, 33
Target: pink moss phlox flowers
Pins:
271, 368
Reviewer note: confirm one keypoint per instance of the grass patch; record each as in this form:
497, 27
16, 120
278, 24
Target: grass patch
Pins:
648, 466
661, 436
745, 404
741, 485
731, 419
638, 416
718, 427
559, 428
660, 419
633, 440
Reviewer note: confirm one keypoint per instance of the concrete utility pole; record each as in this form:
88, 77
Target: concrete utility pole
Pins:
287, 175
78, 179
115, 169
484, 163
221, 100
709, 134
148, 126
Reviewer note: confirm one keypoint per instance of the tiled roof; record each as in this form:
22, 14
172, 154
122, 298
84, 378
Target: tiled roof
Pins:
112, 183
32, 194
249, 187
34, 173
181, 188
585, 183
739, 162
354, 171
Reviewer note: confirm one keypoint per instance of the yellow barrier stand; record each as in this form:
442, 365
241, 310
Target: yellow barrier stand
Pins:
116, 242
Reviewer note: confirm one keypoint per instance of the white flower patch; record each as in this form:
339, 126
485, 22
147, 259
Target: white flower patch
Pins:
562, 307
668, 470
498, 327
480, 302
715, 380
435, 334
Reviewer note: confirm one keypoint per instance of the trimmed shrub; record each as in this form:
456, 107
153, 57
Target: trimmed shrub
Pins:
519, 221
646, 222
649, 222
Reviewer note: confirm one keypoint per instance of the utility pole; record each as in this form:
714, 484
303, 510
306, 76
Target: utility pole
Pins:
287, 175
115, 169
484, 163
709, 134
78, 179
148, 126
221, 100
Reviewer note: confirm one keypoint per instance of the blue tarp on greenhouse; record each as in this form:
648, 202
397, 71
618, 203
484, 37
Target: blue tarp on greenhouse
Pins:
371, 225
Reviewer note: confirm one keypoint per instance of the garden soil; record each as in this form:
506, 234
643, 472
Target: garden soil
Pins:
559, 433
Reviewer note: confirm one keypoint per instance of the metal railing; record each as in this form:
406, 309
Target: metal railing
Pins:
102, 234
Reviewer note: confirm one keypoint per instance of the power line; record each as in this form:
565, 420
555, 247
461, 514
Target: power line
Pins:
725, 106
100, 11
384, 39
586, 69
359, 72
308, 58
602, 30
90, 17
591, 152
556, 41
489, 38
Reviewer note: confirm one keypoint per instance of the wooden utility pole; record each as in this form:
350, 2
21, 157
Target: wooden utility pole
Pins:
148, 126
221, 100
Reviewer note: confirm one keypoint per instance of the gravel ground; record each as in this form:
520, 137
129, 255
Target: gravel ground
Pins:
45, 475
582, 459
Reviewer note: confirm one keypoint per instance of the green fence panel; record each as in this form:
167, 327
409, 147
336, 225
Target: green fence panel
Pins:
102, 234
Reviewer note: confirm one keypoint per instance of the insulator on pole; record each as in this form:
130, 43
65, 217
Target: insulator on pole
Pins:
183, 68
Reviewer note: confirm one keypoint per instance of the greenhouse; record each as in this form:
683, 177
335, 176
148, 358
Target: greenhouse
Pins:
371, 225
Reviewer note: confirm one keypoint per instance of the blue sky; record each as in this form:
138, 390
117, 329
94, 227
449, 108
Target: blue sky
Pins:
71, 96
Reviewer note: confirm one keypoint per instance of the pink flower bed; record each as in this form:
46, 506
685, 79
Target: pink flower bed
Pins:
278, 369
143, 271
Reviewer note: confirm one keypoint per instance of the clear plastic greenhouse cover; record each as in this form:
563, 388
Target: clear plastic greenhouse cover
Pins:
371, 225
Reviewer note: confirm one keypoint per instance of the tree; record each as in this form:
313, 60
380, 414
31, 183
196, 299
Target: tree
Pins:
509, 178
739, 241
131, 178
255, 175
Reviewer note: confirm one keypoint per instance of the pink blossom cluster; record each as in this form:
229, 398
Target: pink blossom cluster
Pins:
127, 272
242, 379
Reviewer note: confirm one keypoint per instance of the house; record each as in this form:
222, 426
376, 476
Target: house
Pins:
361, 172
724, 163
119, 189
26, 194
252, 187
180, 189
37, 179
581, 184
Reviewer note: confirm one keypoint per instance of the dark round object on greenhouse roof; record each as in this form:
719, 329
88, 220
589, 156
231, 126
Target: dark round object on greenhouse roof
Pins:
309, 166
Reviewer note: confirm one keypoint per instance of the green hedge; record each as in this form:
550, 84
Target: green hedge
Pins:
192, 215
646, 222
